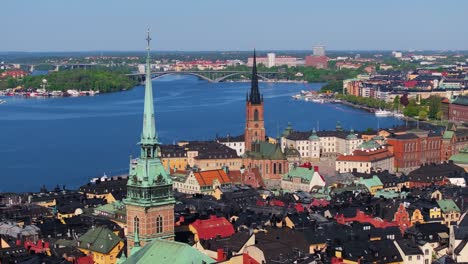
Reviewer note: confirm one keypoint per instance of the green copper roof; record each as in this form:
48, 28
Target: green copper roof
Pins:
165, 251
370, 144
448, 134
351, 135
447, 205
304, 173
371, 182
265, 150
314, 136
461, 100
99, 239
460, 158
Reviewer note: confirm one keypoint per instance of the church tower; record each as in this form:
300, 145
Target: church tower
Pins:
254, 125
150, 201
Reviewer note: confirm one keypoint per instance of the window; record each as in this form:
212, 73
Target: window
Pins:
256, 115
136, 225
159, 225
410, 258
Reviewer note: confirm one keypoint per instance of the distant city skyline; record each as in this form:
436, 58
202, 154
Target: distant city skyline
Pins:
210, 25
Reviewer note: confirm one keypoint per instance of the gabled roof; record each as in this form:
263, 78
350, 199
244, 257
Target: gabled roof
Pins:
213, 227
265, 150
99, 239
206, 178
447, 205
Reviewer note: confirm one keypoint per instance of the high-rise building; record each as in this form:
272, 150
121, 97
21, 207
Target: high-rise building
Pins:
254, 125
271, 60
150, 201
318, 50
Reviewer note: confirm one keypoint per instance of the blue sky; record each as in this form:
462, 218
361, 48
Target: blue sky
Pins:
90, 25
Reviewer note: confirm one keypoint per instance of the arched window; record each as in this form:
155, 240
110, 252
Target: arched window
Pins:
274, 168
159, 224
136, 225
256, 115
279, 168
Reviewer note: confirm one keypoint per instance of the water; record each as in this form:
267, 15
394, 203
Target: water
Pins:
70, 140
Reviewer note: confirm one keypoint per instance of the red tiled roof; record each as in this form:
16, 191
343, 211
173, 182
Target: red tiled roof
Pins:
363, 156
206, 178
213, 227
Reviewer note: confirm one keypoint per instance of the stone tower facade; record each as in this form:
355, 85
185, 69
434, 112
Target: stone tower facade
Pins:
254, 124
150, 201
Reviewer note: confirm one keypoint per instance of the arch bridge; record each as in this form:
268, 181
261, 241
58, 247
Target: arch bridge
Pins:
211, 76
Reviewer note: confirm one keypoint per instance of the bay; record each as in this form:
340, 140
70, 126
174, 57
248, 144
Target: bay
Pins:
68, 141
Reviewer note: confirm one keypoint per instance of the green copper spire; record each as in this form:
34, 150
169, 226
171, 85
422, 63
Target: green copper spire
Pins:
148, 182
148, 135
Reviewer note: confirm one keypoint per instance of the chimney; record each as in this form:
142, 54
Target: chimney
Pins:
221, 255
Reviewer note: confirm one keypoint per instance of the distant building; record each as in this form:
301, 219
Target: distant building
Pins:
318, 50
397, 54
202, 182
319, 62
272, 60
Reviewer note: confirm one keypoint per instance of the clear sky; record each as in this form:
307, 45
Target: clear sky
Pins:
92, 25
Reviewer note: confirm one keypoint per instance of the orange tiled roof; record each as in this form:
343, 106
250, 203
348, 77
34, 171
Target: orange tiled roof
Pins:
205, 178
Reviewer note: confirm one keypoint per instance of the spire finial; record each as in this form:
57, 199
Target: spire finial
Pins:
148, 39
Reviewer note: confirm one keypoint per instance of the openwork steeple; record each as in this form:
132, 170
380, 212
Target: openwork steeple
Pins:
254, 97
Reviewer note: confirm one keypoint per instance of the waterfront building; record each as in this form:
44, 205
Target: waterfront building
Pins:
236, 143
314, 144
150, 201
271, 60
174, 157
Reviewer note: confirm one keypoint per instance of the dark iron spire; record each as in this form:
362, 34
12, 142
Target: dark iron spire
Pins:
254, 92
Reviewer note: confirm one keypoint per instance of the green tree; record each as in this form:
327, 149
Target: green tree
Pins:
422, 115
439, 115
396, 102
434, 103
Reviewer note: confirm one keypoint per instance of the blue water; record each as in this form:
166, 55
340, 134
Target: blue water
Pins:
70, 140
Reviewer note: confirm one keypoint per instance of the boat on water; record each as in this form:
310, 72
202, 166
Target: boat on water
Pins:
318, 100
73, 93
381, 112
2, 101
398, 115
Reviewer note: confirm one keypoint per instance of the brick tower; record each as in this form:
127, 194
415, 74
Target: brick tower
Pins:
254, 123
